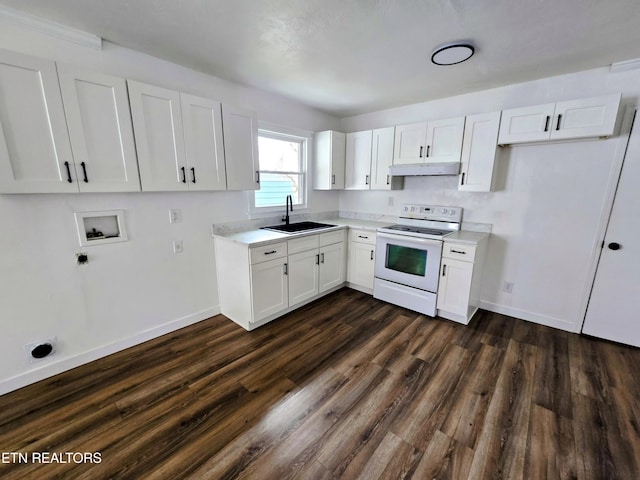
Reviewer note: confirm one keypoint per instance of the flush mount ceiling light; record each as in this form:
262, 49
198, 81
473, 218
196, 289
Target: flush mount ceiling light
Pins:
452, 53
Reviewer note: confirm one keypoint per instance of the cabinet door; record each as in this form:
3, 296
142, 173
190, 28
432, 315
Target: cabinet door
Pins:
303, 276
157, 123
410, 143
358, 161
99, 120
444, 140
587, 117
35, 152
329, 160
361, 264
269, 288
332, 266
381, 158
455, 286
240, 129
479, 152
527, 124
203, 143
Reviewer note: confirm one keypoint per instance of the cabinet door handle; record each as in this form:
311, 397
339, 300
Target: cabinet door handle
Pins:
84, 172
462, 181
387, 179
444, 270
371, 254
333, 179
193, 174
286, 269
362, 236
317, 259
546, 124
184, 175
428, 150
421, 147
66, 164
558, 124
322, 258
458, 251
366, 179
271, 252
257, 176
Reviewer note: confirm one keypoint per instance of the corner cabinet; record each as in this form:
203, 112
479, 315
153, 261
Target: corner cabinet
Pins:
362, 255
573, 119
460, 276
434, 141
329, 160
479, 148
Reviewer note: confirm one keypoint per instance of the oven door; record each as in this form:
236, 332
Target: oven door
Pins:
407, 260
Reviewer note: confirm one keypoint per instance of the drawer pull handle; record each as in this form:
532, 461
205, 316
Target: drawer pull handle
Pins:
458, 251
362, 236
270, 252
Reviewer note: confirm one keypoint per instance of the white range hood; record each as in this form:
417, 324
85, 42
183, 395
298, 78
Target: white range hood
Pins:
434, 168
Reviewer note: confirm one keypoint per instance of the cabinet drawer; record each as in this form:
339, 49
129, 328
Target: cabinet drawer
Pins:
459, 251
331, 237
362, 236
302, 244
268, 252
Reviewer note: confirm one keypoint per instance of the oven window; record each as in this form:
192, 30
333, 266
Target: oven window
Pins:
406, 260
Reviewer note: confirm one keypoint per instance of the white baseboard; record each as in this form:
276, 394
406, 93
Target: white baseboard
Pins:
63, 364
530, 316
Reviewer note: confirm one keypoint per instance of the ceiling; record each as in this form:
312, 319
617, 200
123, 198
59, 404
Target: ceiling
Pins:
354, 56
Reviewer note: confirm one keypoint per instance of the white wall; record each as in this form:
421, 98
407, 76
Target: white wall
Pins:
548, 211
130, 291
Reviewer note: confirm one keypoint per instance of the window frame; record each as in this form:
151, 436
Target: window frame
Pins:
305, 139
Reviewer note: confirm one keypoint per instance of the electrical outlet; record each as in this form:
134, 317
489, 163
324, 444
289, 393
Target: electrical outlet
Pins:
177, 246
175, 216
507, 287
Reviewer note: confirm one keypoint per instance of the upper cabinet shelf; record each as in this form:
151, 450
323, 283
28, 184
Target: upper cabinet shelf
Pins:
574, 119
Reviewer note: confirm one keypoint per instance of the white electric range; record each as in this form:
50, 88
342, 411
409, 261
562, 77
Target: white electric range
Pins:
408, 256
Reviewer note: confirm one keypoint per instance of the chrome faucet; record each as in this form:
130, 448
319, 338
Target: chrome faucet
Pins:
289, 202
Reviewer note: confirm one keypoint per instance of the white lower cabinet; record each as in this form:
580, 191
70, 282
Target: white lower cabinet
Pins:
460, 277
362, 255
269, 288
331, 271
303, 273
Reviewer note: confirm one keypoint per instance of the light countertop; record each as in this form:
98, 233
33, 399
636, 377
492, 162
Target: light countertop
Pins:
467, 237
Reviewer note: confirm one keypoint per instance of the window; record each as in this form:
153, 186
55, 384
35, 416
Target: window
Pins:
282, 160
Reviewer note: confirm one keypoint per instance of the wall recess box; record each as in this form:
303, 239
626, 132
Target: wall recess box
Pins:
98, 228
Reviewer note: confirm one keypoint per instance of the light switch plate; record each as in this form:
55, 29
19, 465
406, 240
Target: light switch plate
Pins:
175, 216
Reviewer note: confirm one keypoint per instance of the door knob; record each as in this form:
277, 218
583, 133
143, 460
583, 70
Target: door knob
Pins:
614, 246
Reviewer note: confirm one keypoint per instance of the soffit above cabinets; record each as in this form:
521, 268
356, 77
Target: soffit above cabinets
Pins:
353, 57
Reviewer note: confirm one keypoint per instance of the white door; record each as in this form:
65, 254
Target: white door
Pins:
269, 288
303, 276
332, 266
615, 299
203, 143
361, 264
410, 143
455, 286
527, 124
358, 161
479, 152
157, 122
444, 140
35, 152
240, 130
587, 117
381, 158
99, 120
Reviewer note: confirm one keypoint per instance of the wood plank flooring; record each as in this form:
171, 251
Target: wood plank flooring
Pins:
347, 387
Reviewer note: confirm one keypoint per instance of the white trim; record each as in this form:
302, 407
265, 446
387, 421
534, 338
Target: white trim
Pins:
51, 28
554, 322
64, 364
625, 65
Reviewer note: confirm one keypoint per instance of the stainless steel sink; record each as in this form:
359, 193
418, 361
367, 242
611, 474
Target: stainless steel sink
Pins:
298, 227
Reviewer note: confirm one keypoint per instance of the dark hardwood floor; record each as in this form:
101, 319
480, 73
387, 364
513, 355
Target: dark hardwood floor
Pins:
347, 387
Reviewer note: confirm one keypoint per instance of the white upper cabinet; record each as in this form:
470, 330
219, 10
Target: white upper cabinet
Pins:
240, 128
329, 160
203, 142
382, 159
99, 121
434, 141
35, 152
358, 161
479, 152
588, 117
157, 122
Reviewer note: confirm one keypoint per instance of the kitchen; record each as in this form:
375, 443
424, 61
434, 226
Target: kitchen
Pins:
548, 196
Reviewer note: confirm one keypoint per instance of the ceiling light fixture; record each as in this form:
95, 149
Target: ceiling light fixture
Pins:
452, 53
